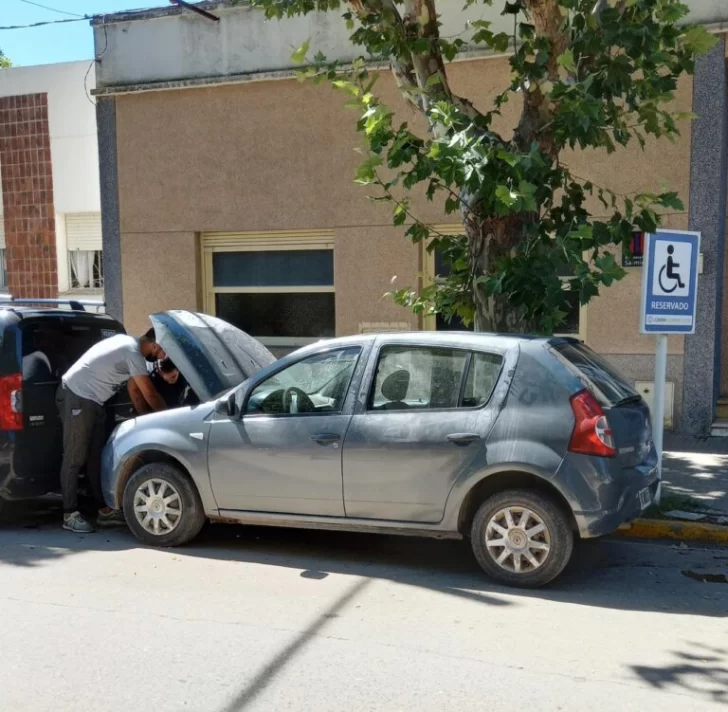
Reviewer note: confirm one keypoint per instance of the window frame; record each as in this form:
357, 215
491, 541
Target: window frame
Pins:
283, 241
347, 391
429, 277
470, 353
69, 266
4, 274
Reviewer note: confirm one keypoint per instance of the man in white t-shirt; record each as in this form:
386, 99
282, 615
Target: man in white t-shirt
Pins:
85, 388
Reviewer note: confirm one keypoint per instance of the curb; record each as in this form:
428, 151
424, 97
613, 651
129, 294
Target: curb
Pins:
686, 531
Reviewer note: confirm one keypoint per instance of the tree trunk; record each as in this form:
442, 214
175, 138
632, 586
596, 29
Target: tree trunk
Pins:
488, 240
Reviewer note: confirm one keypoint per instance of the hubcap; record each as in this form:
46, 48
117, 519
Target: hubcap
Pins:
157, 507
518, 540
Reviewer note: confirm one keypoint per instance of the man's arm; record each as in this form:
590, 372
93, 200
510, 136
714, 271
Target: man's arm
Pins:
137, 399
148, 392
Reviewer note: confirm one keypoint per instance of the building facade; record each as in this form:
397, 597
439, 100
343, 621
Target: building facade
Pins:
50, 231
227, 186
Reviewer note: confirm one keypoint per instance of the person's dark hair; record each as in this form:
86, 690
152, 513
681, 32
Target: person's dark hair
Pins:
166, 365
150, 336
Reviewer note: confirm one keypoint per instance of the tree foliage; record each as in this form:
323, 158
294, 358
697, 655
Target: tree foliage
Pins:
586, 74
4, 61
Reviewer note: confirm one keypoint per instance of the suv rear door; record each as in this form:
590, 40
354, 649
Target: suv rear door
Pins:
626, 411
49, 345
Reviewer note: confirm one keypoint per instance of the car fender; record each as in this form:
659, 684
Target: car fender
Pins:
190, 450
508, 458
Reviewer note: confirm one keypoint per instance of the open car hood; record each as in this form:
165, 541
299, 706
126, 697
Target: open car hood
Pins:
211, 354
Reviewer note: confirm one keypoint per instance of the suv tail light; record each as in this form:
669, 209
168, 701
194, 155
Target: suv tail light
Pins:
11, 402
592, 434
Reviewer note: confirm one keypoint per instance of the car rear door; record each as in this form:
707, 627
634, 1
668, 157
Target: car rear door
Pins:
626, 411
423, 425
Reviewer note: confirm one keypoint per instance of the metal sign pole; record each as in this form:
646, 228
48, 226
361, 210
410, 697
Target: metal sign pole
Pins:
669, 301
659, 405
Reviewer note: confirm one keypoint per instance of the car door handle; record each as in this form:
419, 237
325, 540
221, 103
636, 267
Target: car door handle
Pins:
463, 438
326, 438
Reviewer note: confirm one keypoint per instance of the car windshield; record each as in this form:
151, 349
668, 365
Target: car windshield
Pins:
313, 375
604, 382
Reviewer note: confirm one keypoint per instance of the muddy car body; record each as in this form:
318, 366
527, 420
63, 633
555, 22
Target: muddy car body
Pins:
520, 444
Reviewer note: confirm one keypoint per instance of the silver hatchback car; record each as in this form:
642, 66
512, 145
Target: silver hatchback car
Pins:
519, 444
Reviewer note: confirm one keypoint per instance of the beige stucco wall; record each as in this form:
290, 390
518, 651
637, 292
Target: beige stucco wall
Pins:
280, 155
368, 262
161, 271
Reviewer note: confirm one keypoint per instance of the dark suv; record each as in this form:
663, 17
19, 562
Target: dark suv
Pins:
37, 346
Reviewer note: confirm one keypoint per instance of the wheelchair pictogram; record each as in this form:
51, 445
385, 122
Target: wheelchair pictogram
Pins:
669, 274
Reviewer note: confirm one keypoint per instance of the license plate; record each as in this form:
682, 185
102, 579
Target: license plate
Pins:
645, 498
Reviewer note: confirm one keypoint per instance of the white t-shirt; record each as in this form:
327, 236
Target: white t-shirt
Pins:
105, 368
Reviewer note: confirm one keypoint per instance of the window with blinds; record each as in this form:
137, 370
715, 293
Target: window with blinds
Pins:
83, 243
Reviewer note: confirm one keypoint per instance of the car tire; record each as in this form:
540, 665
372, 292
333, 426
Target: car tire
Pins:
546, 535
171, 497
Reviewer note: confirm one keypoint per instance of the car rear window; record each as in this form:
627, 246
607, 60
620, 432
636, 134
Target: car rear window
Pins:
604, 382
51, 346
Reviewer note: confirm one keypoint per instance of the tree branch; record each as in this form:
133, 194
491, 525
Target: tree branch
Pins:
547, 19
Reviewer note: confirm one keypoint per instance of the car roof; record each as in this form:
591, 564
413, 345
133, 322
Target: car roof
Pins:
442, 338
28, 312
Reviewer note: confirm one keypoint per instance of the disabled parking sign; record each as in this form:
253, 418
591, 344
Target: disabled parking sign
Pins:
670, 282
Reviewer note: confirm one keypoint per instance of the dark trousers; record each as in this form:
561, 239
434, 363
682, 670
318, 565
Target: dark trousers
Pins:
84, 430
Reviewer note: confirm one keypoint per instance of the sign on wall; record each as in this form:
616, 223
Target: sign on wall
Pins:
633, 256
670, 282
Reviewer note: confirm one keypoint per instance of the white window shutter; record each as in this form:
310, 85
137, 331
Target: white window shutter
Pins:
83, 231
2, 232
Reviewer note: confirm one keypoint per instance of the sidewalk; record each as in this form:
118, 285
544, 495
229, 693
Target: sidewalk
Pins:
697, 468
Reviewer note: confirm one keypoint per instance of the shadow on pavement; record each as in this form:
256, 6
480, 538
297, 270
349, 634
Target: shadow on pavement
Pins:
603, 573
701, 671
702, 476
253, 689
31, 535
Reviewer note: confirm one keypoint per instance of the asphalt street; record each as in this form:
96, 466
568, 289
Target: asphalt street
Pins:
272, 619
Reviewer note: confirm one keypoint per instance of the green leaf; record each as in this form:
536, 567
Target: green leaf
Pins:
510, 158
698, 40
299, 56
671, 200
566, 60
506, 196
513, 8
684, 116
366, 173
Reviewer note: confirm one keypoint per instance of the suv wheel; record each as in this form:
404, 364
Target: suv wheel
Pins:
162, 506
522, 538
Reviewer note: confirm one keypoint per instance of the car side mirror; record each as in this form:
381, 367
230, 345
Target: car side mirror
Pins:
226, 406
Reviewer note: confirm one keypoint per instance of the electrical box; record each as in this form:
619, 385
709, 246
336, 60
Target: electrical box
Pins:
647, 390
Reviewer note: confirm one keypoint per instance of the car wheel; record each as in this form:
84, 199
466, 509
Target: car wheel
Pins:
522, 538
162, 506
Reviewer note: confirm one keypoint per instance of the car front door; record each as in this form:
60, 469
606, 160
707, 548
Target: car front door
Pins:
423, 425
284, 454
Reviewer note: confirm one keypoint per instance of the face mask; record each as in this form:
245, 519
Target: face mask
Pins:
152, 358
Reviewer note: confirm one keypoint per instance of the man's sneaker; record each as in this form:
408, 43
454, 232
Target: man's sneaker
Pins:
110, 518
75, 522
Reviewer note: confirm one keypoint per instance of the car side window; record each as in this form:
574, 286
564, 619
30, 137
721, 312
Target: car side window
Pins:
482, 377
427, 378
415, 377
314, 385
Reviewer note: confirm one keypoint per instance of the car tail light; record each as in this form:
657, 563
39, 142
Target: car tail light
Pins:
11, 402
592, 434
